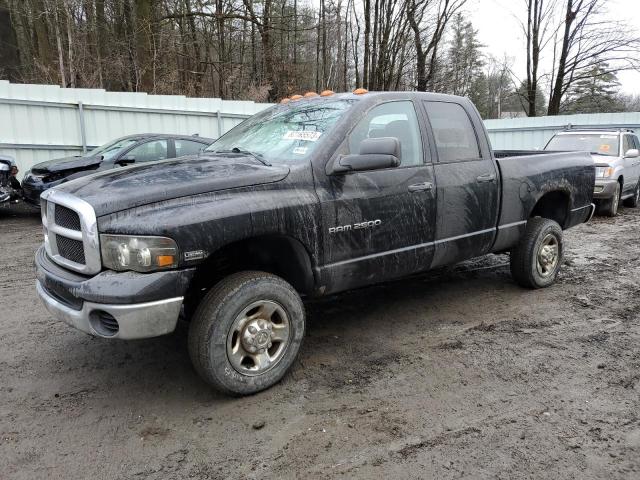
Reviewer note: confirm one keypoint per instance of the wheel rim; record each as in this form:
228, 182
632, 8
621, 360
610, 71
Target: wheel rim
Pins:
548, 253
258, 338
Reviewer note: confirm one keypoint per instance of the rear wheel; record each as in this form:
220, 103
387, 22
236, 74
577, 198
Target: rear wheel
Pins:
536, 260
246, 332
610, 207
635, 199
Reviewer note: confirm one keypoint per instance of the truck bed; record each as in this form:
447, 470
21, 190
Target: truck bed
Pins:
528, 176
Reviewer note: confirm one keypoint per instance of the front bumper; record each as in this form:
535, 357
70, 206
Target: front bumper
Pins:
31, 192
604, 189
124, 305
127, 322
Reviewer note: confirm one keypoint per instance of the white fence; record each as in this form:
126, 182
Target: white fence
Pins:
42, 122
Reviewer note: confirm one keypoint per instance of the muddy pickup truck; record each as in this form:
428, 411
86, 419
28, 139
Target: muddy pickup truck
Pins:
310, 197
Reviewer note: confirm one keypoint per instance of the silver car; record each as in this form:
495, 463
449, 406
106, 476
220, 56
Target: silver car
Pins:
616, 153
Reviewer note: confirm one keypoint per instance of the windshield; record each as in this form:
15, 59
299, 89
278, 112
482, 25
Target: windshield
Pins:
599, 144
284, 133
110, 150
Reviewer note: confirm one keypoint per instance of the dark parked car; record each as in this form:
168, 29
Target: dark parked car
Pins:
311, 197
141, 148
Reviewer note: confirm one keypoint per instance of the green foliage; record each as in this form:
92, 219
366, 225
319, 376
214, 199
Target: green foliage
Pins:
596, 92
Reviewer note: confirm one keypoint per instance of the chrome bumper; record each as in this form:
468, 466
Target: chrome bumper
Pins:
139, 320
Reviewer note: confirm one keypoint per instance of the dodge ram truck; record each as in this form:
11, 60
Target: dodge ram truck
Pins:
316, 195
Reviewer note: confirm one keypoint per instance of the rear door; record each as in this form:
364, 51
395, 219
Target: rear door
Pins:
380, 222
467, 182
631, 164
187, 147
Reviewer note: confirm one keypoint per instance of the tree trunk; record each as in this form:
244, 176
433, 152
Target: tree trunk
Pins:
144, 45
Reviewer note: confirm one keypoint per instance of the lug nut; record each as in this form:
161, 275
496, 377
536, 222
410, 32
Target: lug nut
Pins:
252, 329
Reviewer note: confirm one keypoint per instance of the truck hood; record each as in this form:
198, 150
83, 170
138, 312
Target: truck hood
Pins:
66, 163
130, 187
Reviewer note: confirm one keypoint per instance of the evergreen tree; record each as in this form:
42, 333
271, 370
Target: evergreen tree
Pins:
597, 92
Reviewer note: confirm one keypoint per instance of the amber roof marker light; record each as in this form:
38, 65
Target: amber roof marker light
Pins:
310, 94
285, 100
327, 93
295, 97
360, 91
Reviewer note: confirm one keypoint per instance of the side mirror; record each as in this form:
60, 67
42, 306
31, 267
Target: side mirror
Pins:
126, 160
632, 153
375, 153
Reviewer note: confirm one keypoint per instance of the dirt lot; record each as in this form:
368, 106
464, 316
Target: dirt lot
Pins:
458, 374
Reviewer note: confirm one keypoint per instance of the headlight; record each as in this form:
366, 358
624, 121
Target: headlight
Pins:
604, 172
138, 253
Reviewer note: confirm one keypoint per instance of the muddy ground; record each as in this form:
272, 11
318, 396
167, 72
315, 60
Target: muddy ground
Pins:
456, 374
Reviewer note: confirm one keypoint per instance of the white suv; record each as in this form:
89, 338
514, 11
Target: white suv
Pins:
616, 153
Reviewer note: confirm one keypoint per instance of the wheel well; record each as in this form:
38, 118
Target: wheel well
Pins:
278, 254
554, 206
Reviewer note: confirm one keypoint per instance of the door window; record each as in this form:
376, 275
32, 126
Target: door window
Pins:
150, 151
187, 147
393, 119
627, 144
455, 136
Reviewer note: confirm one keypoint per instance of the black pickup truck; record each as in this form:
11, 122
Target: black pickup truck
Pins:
310, 197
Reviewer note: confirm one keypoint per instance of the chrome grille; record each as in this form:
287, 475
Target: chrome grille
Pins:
67, 218
71, 249
71, 232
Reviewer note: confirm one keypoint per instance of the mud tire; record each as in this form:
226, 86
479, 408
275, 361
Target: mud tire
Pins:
524, 257
214, 318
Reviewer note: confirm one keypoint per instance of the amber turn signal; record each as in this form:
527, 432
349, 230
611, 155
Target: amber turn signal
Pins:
164, 260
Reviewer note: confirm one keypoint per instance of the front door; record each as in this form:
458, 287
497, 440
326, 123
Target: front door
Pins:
467, 186
380, 223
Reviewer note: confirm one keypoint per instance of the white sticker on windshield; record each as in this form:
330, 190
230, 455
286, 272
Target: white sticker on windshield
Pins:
308, 135
300, 150
608, 136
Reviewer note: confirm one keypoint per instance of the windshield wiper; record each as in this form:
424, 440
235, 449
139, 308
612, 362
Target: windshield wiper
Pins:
257, 156
598, 153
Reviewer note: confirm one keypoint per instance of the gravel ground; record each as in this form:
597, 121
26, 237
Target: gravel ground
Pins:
455, 374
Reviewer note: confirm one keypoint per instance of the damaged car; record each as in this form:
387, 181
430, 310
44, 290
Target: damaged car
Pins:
10, 190
133, 149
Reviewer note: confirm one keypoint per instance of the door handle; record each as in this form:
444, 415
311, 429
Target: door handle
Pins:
487, 177
420, 187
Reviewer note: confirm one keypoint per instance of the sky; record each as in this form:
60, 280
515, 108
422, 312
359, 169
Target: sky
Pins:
500, 31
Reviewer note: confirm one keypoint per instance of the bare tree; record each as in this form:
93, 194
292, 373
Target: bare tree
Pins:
428, 20
589, 43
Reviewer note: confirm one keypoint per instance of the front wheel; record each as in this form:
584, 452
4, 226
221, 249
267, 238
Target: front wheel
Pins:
536, 260
246, 332
610, 207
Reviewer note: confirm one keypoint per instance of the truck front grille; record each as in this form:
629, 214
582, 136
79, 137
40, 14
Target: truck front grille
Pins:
71, 249
67, 218
71, 232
